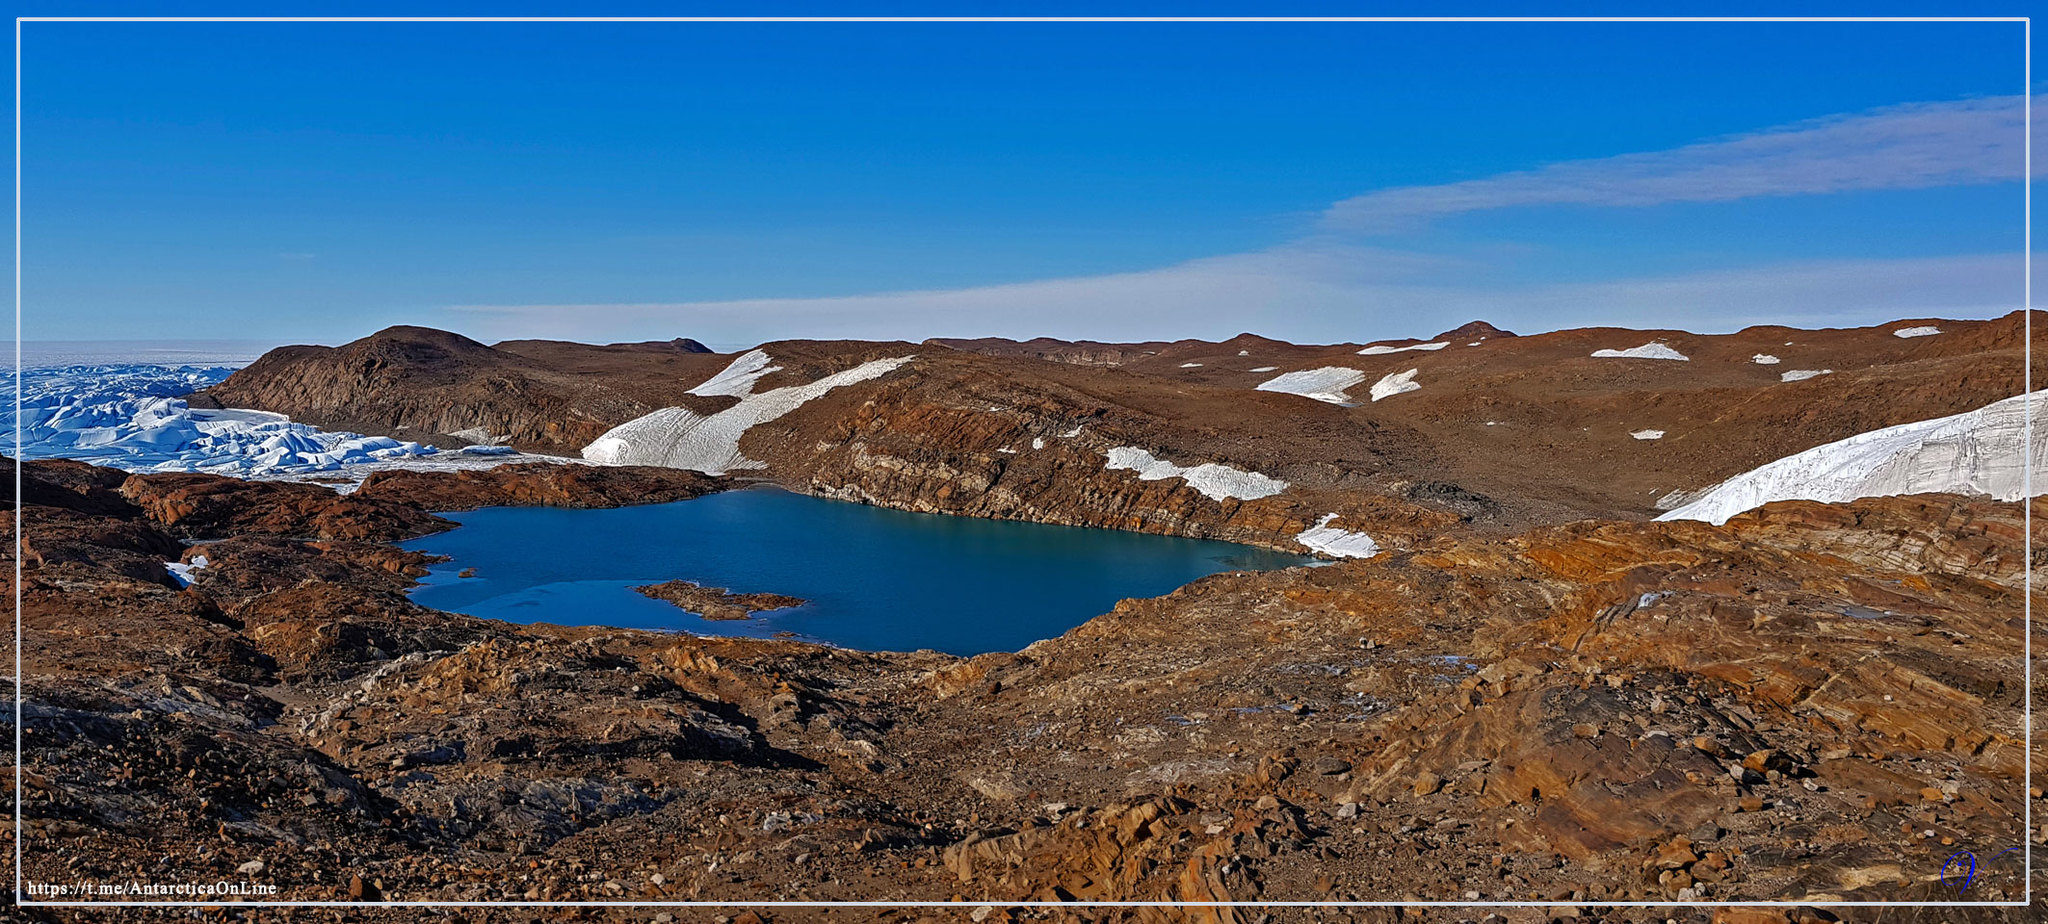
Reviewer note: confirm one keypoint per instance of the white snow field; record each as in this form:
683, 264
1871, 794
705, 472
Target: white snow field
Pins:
738, 378
1326, 384
1764, 359
1215, 480
1648, 434
1655, 349
125, 416
1975, 452
1801, 375
1330, 540
1395, 384
1380, 350
678, 437
1909, 332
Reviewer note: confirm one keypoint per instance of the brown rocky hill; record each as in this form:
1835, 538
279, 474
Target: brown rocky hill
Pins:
1501, 432
433, 386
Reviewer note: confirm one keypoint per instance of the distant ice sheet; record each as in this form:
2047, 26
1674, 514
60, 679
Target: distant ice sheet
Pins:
131, 417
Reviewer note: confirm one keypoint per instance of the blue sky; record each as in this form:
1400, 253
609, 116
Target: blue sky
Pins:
747, 182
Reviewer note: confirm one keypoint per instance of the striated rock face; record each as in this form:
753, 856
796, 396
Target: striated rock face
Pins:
539, 484
1779, 708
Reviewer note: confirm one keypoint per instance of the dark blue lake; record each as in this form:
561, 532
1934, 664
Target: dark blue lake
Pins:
875, 579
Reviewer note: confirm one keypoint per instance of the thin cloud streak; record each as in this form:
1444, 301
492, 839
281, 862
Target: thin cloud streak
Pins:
1908, 146
1331, 287
1268, 293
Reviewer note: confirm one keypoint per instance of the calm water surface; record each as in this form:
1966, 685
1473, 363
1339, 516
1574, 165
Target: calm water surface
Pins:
875, 579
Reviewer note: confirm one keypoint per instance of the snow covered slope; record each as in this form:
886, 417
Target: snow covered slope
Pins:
1976, 452
125, 416
678, 437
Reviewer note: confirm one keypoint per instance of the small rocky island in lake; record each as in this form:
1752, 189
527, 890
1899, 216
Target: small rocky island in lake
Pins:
717, 602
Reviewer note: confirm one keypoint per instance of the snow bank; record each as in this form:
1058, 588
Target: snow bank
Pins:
1801, 375
1378, 350
677, 437
182, 572
1326, 384
1976, 452
1265, 368
125, 416
1655, 349
1214, 479
739, 377
1648, 434
1764, 359
1397, 383
1909, 332
1191, 365
1330, 540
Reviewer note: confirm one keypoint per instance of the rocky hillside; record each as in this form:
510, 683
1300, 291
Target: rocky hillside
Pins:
1591, 713
433, 386
1397, 442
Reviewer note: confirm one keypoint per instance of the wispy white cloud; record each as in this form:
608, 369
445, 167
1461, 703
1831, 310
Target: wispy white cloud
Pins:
1330, 287
1910, 146
1318, 298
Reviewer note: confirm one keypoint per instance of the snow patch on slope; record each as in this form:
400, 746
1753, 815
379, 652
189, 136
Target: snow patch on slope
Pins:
1801, 375
1655, 349
1215, 480
739, 377
678, 437
1975, 452
1395, 384
1648, 434
1326, 384
1764, 359
1265, 368
1380, 350
1910, 332
1330, 540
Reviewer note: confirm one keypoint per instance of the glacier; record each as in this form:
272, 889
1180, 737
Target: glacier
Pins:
130, 416
1975, 452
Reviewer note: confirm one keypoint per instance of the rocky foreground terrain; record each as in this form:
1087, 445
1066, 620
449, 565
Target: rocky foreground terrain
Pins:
1530, 692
